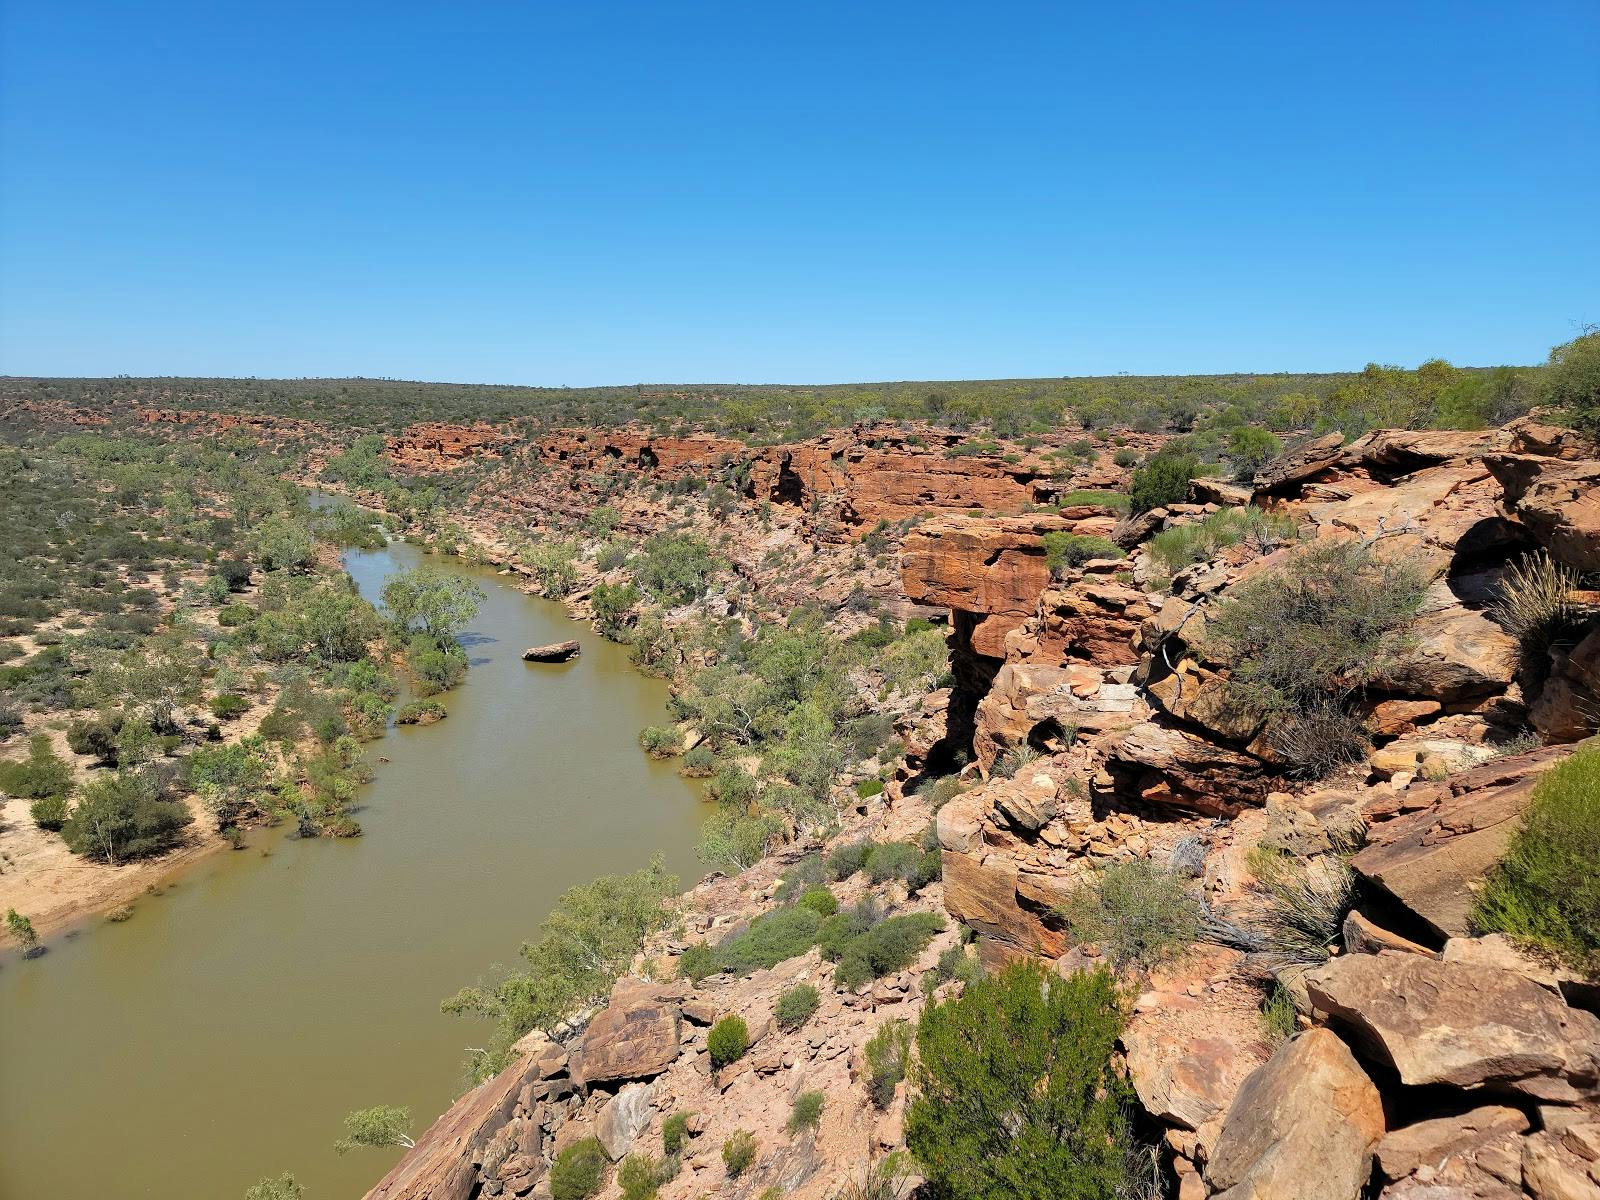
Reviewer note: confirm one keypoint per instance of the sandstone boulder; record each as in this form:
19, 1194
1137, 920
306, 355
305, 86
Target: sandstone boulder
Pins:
633, 1037
1303, 1127
555, 652
1430, 1143
623, 1118
1297, 466
1172, 767
1464, 1026
1559, 501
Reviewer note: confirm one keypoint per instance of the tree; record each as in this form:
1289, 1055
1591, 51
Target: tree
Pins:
22, 929
284, 1187
1252, 448
230, 777
379, 1126
438, 603
42, 775
1162, 481
119, 817
1017, 1097
1572, 381
282, 543
612, 602
154, 678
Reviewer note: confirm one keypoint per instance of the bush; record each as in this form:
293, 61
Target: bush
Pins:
639, 1176
698, 961
675, 1133
1126, 457
1162, 481
1535, 604
844, 861
420, 712
807, 1112
578, 1171
888, 1054
1306, 639
1017, 1092
775, 937
1115, 501
284, 1187
119, 817
869, 788
1138, 913
42, 774
1303, 904
1278, 1016
1572, 381
738, 1152
660, 741
795, 1007
892, 860
231, 616
1251, 448
437, 670
1063, 549
699, 763
49, 813
228, 705
820, 901
1184, 545
839, 930
887, 947
235, 574
728, 1040
1546, 889
802, 877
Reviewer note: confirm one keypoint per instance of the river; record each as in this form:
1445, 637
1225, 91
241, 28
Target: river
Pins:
223, 1032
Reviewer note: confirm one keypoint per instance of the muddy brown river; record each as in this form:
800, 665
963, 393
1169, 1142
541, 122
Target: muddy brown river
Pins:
222, 1033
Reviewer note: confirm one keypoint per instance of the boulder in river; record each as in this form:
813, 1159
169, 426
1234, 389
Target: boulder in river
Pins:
554, 652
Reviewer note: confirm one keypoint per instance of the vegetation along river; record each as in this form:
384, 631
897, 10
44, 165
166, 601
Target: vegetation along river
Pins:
223, 1032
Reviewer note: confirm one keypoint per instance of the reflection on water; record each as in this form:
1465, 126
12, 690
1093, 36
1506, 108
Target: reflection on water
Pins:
223, 1032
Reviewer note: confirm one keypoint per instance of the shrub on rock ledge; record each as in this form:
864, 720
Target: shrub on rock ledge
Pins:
738, 1152
1546, 890
795, 1007
728, 1040
578, 1171
1140, 914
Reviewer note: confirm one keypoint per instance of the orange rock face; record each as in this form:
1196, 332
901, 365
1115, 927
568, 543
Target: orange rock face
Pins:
441, 447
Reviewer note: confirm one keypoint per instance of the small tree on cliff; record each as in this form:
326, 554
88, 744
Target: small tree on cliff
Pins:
1017, 1098
379, 1126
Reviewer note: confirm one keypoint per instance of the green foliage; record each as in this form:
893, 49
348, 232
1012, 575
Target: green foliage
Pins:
888, 946
1302, 904
228, 705
1201, 541
232, 779
1546, 889
280, 542
42, 775
736, 838
49, 812
439, 604
772, 938
892, 860
1572, 381
582, 947
660, 741
728, 1040
1017, 1096
119, 817
437, 668
698, 961
1252, 448
820, 901
554, 566
1063, 549
1306, 639
738, 1152
806, 1113
21, 928
888, 1055
675, 567
846, 859
1138, 913
675, 1133
869, 788
578, 1171
376, 1127
612, 603
1162, 481
1115, 501
1536, 604
284, 1187
1278, 1015
420, 712
639, 1177
795, 1006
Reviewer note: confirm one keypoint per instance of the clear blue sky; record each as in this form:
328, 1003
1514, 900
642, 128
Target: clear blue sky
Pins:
590, 192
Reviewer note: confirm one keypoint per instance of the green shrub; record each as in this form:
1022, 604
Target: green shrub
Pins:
639, 1176
775, 937
1307, 638
420, 712
820, 901
1184, 545
699, 763
806, 1112
42, 774
869, 788
1115, 501
1536, 604
578, 1171
728, 1040
887, 947
698, 961
738, 1152
229, 705
49, 812
891, 860
1546, 889
1138, 913
1017, 1093
660, 741
1063, 549
839, 930
1251, 448
119, 817
844, 861
1571, 381
1126, 457
1278, 1021
795, 1006
802, 877
888, 1054
437, 670
1162, 481
284, 1187
675, 1133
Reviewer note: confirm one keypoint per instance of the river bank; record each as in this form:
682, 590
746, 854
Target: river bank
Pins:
533, 783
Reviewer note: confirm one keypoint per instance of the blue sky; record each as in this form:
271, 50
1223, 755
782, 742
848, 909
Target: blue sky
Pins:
593, 192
